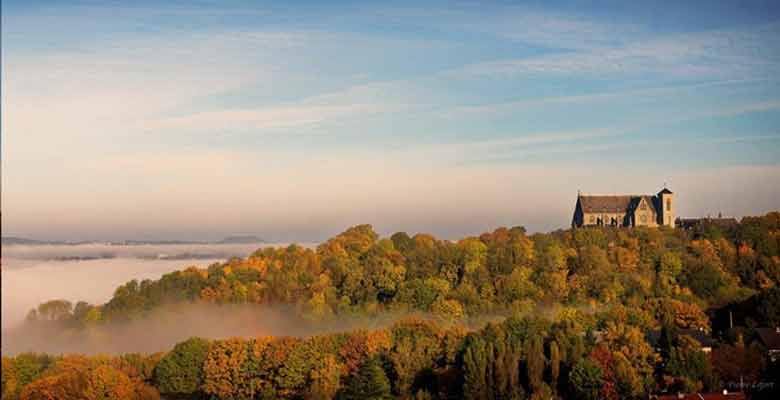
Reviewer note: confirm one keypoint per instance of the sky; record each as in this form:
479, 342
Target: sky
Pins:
294, 120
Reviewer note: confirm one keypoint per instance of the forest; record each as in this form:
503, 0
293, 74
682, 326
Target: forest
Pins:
589, 313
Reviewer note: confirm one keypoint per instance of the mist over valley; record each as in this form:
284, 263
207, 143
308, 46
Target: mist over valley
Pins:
32, 274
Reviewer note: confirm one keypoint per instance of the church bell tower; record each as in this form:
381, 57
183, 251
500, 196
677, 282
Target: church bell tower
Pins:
666, 217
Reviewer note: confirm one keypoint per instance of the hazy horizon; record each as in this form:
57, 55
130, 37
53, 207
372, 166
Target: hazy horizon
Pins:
198, 121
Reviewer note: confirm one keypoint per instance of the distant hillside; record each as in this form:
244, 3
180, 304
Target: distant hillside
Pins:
242, 239
11, 240
154, 242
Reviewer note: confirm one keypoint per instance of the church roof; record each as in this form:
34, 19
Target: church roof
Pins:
614, 204
611, 204
665, 191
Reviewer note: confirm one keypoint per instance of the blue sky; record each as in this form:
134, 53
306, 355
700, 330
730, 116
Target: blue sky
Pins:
293, 121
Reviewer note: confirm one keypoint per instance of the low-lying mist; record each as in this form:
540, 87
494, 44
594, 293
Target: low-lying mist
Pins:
93, 281
32, 275
168, 325
91, 272
145, 251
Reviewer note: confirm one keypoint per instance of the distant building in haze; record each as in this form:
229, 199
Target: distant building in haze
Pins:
625, 210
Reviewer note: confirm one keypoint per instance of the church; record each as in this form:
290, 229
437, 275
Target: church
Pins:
625, 210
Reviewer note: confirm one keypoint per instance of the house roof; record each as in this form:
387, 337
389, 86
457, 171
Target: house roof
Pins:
665, 191
700, 336
614, 204
770, 337
704, 339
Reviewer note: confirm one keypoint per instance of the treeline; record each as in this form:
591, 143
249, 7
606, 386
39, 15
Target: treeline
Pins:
44, 377
519, 358
581, 303
505, 271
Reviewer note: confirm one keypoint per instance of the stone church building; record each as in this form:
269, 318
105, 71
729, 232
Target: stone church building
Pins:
625, 210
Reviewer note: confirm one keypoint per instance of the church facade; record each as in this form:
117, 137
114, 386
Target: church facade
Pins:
625, 210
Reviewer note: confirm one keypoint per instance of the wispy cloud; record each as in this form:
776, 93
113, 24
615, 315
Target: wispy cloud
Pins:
183, 118
722, 53
556, 30
512, 106
529, 25
263, 118
457, 152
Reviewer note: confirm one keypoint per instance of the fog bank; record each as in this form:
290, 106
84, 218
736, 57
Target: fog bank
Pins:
171, 324
34, 274
146, 251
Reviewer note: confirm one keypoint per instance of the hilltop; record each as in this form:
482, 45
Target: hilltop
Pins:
579, 309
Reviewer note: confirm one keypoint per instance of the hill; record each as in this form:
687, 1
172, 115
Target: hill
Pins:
242, 240
11, 240
578, 307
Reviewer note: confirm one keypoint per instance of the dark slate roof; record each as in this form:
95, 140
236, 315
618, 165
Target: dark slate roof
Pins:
611, 204
700, 336
770, 337
665, 191
615, 204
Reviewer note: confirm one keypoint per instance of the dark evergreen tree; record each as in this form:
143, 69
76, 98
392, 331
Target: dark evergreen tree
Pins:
369, 383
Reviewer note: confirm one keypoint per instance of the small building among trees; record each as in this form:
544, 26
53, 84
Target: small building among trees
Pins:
720, 222
770, 338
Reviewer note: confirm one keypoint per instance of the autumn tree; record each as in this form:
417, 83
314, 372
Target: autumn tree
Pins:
415, 348
223, 375
586, 380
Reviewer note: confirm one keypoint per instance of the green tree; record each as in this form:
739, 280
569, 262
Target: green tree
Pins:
416, 348
55, 310
629, 384
180, 372
475, 367
22, 370
370, 383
